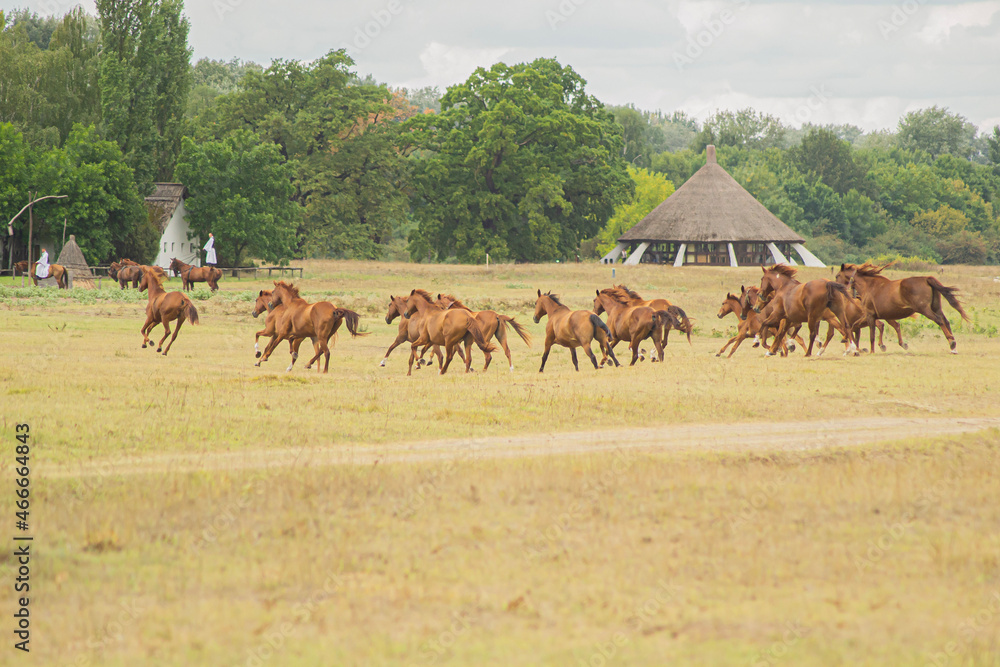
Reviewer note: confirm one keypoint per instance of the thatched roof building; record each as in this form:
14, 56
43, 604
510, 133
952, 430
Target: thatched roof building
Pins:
163, 202
711, 220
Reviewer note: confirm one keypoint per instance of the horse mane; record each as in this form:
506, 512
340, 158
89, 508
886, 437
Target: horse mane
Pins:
870, 270
425, 294
632, 294
784, 270
619, 293
455, 303
554, 297
292, 289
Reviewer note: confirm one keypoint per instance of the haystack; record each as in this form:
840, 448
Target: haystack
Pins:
76, 265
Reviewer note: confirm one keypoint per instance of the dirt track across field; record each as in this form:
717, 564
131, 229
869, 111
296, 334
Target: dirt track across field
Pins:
746, 437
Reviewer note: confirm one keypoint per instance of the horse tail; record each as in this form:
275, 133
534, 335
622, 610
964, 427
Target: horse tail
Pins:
192, 312
477, 335
948, 293
664, 318
351, 319
519, 329
684, 323
599, 325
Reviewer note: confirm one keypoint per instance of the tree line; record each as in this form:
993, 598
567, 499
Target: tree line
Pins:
518, 162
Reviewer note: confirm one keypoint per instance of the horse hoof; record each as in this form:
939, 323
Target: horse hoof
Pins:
257, 364
906, 346
289, 369
756, 344
144, 346
511, 369
382, 364
769, 354
791, 348
164, 354
159, 349
954, 351
258, 355
882, 347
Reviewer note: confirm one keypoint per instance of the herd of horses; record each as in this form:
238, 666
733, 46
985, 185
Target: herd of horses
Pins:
859, 297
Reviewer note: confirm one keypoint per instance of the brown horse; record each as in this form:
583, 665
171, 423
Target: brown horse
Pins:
632, 323
270, 322
57, 271
445, 327
895, 299
129, 274
572, 329
163, 308
409, 331
493, 324
750, 321
661, 304
191, 274
795, 303
301, 319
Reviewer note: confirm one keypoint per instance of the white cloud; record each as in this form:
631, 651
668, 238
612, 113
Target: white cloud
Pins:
941, 20
445, 65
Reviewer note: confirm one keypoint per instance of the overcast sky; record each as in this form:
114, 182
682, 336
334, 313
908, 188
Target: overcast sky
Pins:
821, 62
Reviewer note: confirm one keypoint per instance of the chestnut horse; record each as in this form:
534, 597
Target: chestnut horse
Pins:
662, 304
270, 322
795, 303
57, 271
633, 323
445, 327
163, 308
301, 319
572, 329
493, 324
409, 331
750, 321
191, 274
895, 299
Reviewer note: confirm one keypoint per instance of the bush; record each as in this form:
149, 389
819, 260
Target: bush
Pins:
965, 247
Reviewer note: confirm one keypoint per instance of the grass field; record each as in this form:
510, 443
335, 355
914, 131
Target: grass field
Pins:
325, 526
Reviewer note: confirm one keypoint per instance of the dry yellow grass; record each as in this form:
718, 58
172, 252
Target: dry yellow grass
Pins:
881, 554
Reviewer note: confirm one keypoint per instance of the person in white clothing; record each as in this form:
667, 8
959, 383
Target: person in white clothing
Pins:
42, 267
210, 251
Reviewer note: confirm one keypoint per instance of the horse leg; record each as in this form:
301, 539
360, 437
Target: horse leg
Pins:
938, 318
634, 346
468, 353
449, 351
177, 330
899, 333
501, 336
166, 328
576, 364
400, 339
881, 332
146, 328
590, 353
829, 337
545, 355
778, 337
737, 339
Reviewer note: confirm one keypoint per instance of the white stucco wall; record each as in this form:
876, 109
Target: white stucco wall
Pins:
175, 242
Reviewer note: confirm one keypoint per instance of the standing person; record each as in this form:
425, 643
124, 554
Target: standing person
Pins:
42, 266
210, 251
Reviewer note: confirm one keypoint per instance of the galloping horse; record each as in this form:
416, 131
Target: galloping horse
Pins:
301, 319
795, 303
571, 328
661, 304
633, 323
750, 321
409, 331
191, 274
445, 327
895, 299
163, 308
493, 325
57, 271
270, 322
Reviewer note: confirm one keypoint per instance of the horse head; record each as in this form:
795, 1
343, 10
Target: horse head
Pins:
727, 305
598, 305
260, 305
395, 309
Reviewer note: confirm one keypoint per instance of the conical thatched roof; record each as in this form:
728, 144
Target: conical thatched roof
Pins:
710, 207
72, 258
163, 202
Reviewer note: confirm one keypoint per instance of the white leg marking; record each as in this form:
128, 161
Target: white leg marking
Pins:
256, 347
289, 369
512, 368
382, 363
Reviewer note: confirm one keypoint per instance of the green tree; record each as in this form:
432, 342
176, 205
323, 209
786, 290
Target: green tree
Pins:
103, 209
941, 222
521, 164
145, 78
651, 190
239, 189
936, 131
745, 128
823, 154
